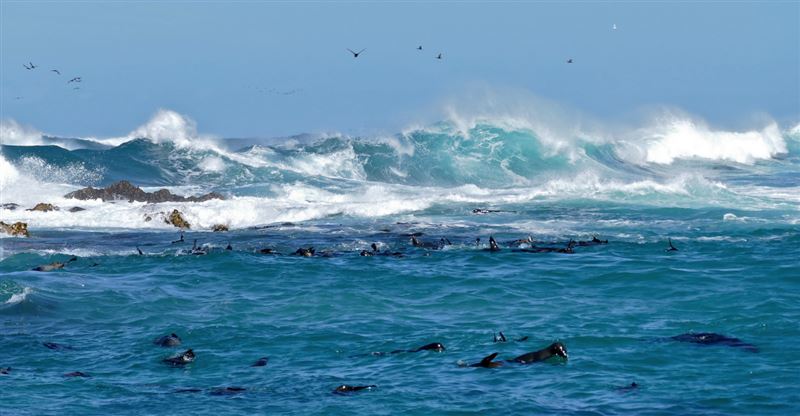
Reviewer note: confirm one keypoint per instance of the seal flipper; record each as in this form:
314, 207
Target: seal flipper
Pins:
487, 362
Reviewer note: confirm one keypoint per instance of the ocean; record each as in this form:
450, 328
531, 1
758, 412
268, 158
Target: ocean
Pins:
729, 201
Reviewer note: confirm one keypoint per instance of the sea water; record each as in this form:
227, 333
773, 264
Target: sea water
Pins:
729, 201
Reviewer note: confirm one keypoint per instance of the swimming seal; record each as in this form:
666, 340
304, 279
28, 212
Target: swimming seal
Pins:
261, 362
181, 359
56, 346
180, 240
226, 391
54, 266
5, 370
428, 245
502, 338
198, 250
594, 241
628, 388
493, 245
433, 346
671, 247
710, 338
76, 374
305, 252
171, 340
345, 389
554, 349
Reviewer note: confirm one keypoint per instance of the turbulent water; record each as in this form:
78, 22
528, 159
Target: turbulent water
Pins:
728, 200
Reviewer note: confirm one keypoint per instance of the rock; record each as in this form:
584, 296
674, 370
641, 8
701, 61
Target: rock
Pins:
148, 218
219, 228
10, 206
44, 207
176, 219
15, 229
124, 190
77, 209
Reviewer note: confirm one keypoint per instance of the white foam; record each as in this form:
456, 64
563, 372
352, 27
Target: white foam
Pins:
19, 297
14, 133
682, 138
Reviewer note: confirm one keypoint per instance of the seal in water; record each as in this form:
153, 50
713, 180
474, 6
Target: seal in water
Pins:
180, 240
671, 247
171, 340
630, 387
492, 245
229, 247
345, 389
503, 338
181, 359
54, 266
430, 246
5, 370
433, 346
710, 338
305, 252
56, 346
554, 349
226, 391
261, 362
594, 241
76, 374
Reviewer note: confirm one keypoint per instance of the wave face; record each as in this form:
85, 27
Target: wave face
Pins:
487, 161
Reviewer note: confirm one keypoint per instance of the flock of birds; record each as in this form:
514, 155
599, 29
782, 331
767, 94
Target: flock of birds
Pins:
30, 66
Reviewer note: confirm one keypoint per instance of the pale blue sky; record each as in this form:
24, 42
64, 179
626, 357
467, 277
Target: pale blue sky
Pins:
217, 62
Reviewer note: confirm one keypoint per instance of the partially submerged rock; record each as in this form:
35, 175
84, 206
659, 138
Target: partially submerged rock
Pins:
219, 228
176, 218
77, 209
16, 229
124, 190
44, 207
10, 206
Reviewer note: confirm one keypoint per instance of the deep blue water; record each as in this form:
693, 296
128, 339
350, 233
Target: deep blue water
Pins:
615, 306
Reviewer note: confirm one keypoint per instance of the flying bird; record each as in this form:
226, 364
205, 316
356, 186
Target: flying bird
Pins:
76, 79
419, 48
29, 66
569, 61
355, 54
439, 56
614, 26
56, 71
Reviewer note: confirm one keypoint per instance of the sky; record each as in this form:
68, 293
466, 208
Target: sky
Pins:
266, 69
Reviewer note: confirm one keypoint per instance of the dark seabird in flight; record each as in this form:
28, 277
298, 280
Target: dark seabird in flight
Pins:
56, 71
569, 61
29, 66
355, 54
76, 79
419, 48
439, 56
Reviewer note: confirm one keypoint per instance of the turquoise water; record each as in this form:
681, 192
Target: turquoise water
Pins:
615, 306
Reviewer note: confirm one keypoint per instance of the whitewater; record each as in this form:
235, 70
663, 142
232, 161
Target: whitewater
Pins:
728, 199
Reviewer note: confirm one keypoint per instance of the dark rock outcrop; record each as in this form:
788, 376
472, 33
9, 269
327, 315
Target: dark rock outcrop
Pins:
15, 229
10, 206
176, 218
77, 209
219, 228
44, 207
124, 190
